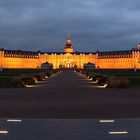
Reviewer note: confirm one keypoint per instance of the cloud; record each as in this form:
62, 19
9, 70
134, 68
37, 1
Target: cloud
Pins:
93, 25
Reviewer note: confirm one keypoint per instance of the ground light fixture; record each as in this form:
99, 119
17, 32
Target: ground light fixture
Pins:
3, 132
14, 120
118, 132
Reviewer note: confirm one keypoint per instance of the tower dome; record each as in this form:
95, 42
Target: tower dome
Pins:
68, 48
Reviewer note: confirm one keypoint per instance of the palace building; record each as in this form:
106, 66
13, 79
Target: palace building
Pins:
17, 59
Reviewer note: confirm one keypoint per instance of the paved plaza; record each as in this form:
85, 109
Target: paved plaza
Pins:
70, 129
69, 95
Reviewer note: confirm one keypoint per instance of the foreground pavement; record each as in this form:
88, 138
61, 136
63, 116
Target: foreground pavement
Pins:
70, 129
69, 95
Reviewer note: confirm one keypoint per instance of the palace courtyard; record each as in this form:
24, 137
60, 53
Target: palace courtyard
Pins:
69, 95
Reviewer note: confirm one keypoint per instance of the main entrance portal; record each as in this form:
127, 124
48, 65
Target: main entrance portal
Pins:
68, 65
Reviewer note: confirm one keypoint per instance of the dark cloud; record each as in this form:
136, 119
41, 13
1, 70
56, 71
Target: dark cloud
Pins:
92, 24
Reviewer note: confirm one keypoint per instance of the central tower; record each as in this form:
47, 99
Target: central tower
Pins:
68, 48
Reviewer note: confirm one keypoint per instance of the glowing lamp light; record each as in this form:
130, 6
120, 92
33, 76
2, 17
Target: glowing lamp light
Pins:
104, 86
118, 133
107, 121
30, 86
3, 132
95, 82
13, 120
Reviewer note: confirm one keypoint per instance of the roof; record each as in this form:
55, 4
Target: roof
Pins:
20, 52
46, 63
76, 53
89, 63
115, 52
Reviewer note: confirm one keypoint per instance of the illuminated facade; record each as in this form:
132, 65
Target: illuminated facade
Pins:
129, 59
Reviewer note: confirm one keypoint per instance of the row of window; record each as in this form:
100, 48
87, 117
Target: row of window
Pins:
21, 56
124, 61
114, 56
136, 56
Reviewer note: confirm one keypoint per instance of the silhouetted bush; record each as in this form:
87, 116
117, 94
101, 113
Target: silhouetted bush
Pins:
48, 74
102, 80
11, 83
29, 80
17, 83
96, 77
115, 82
38, 77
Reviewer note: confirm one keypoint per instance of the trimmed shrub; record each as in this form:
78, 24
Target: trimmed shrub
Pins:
96, 77
38, 77
43, 75
29, 80
102, 80
17, 83
11, 83
115, 82
48, 74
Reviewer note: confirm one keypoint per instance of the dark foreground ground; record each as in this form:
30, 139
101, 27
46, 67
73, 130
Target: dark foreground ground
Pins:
68, 95
70, 129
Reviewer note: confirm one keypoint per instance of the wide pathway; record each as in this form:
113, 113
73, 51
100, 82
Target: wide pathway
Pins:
69, 129
69, 95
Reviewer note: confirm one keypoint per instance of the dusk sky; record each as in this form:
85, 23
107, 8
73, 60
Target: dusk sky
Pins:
92, 24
